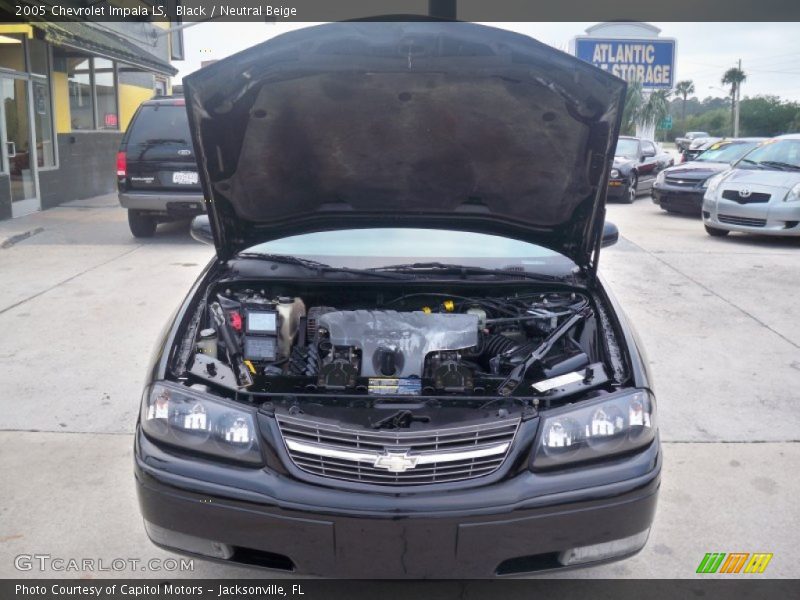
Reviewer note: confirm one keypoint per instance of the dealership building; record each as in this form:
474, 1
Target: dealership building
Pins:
69, 91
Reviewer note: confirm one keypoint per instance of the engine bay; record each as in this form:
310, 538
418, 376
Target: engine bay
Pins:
373, 344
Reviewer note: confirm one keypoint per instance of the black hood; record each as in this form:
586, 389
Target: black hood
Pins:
405, 124
696, 170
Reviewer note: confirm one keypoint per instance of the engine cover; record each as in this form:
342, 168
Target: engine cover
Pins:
411, 336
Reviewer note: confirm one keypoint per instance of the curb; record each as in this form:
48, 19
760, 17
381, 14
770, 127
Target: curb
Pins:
15, 239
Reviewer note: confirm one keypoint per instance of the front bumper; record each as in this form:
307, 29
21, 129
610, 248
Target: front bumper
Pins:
617, 188
773, 218
676, 199
516, 525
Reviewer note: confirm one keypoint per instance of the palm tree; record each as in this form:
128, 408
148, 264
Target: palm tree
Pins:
633, 103
655, 108
683, 89
643, 111
734, 77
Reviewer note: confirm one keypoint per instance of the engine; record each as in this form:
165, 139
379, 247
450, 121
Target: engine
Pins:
395, 344
412, 345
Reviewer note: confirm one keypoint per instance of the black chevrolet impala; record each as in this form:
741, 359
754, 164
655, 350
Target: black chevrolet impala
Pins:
402, 361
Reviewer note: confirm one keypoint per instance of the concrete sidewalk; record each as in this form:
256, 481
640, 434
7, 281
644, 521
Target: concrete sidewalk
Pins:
83, 313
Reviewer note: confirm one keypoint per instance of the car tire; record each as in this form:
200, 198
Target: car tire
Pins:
630, 193
714, 232
141, 224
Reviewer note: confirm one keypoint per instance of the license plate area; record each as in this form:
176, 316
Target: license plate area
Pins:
185, 177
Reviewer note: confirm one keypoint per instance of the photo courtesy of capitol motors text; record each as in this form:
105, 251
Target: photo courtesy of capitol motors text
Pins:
149, 590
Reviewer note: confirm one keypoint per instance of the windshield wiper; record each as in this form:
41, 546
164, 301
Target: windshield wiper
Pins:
752, 162
319, 267
780, 165
455, 269
165, 141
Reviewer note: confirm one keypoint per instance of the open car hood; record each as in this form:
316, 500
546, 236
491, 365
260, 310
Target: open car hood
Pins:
443, 125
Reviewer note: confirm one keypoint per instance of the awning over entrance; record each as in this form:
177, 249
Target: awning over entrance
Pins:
91, 37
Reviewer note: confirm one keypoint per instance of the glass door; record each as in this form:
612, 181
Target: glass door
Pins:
18, 150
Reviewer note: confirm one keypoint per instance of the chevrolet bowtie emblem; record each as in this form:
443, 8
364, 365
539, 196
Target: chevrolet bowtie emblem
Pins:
395, 462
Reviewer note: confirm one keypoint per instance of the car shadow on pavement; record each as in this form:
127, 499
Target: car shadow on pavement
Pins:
734, 237
685, 217
761, 241
174, 232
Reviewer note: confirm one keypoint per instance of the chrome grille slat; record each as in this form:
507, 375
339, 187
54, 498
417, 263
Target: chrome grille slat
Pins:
396, 479
345, 453
345, 469
464, 432
678, 182
434, 445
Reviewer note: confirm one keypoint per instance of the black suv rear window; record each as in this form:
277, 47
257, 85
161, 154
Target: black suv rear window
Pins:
162, 122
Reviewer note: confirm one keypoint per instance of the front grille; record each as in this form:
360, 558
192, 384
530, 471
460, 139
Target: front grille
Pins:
397, 457
731, 220
686, 202
753, 198
678, 182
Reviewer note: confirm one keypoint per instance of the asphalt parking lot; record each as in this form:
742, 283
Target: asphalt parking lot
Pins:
82, 302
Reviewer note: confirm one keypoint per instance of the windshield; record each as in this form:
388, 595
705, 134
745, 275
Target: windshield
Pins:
775, 154
367, 248
161, 123
726, 153
627, 148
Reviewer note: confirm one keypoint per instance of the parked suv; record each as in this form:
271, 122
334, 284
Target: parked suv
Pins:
156, 168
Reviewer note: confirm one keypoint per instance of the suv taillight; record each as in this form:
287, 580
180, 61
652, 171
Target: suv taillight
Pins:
122, 164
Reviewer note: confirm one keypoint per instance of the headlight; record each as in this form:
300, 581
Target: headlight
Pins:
793, 195
660, 178
192, 419
614, 174
712, 183
602, 428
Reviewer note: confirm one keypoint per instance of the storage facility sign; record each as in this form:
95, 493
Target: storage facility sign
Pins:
652, 62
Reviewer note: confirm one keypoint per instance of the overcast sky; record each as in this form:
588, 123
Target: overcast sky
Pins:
770, 52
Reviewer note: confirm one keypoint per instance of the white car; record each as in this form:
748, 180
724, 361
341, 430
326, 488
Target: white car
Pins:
760, 194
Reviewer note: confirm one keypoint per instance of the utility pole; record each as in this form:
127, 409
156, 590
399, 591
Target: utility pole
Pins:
736, 105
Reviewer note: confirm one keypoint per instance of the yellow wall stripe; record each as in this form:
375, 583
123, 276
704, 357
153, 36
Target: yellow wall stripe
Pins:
130, 97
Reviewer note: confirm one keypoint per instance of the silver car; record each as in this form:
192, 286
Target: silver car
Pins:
760, 194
